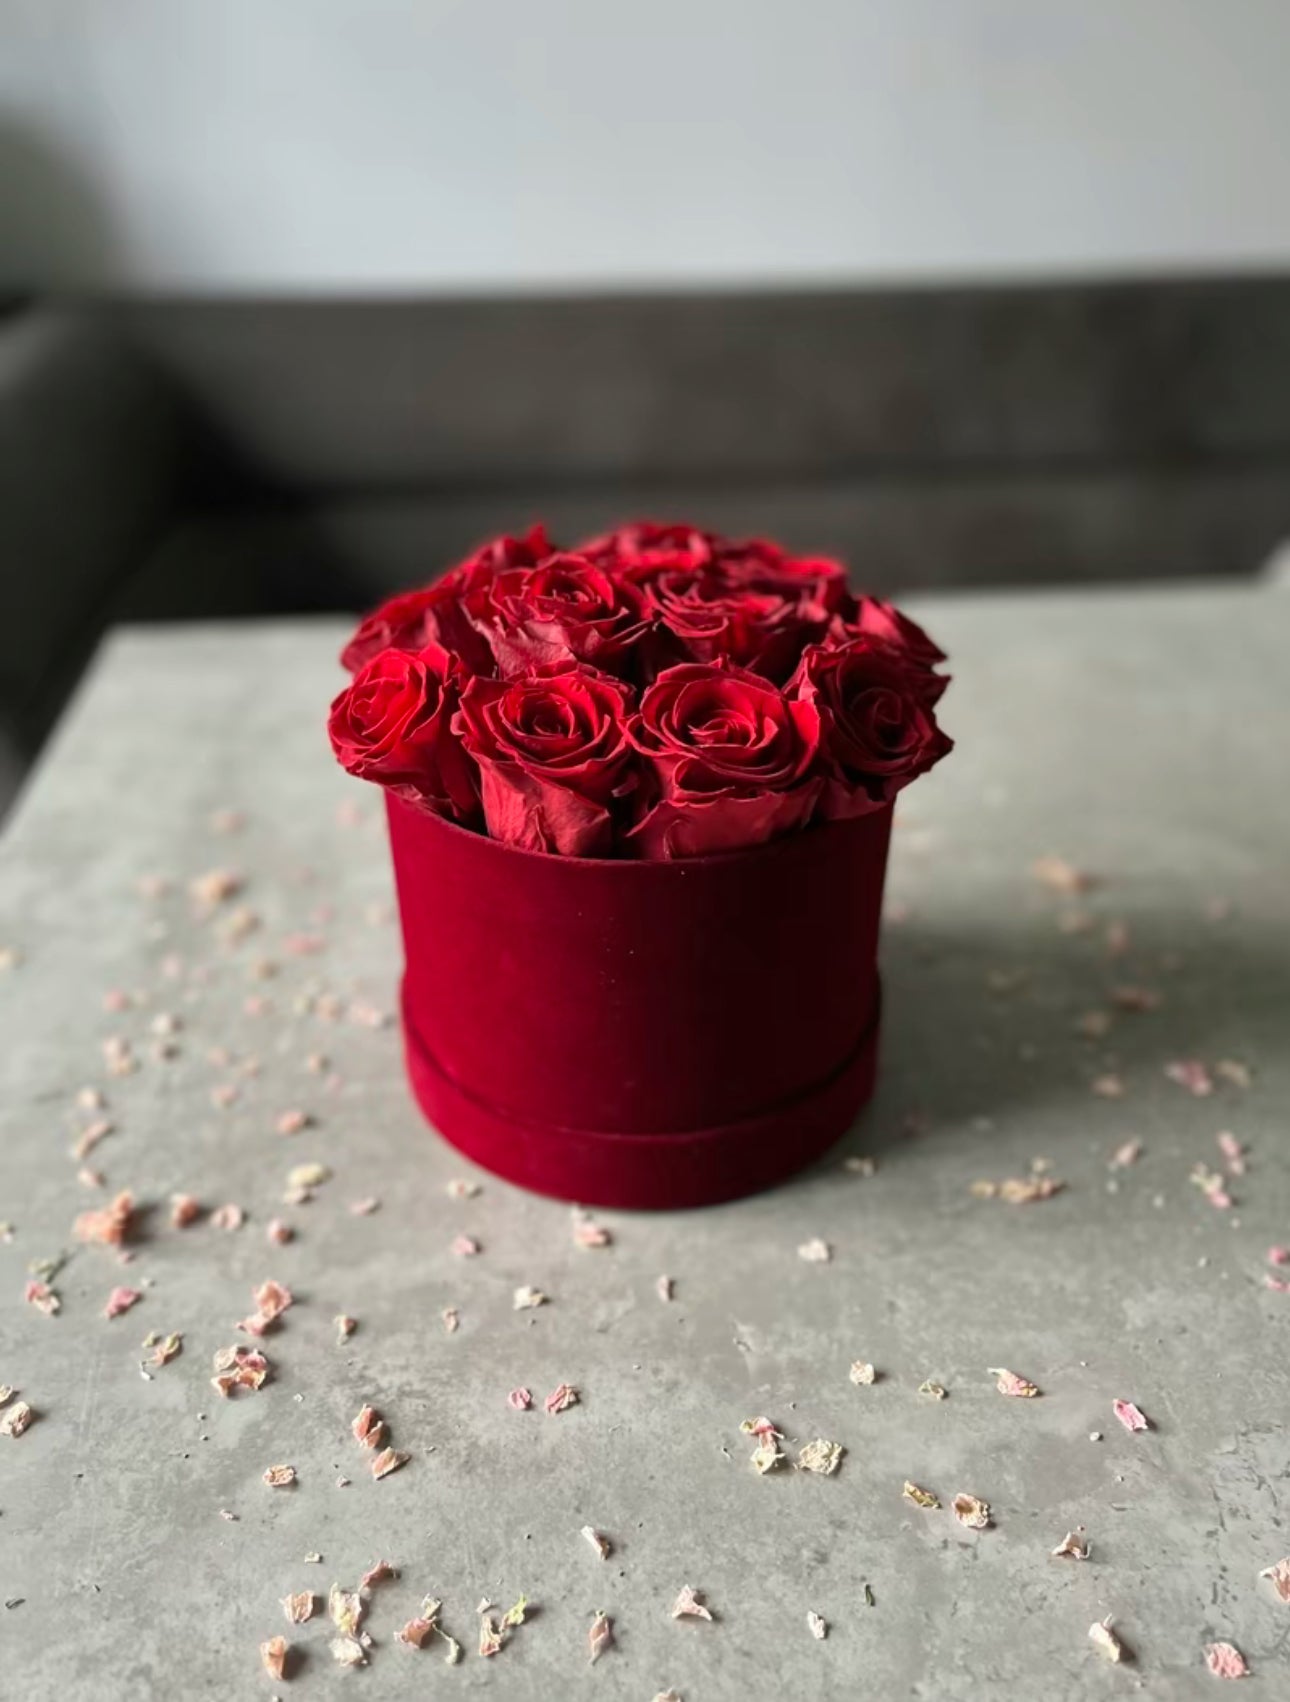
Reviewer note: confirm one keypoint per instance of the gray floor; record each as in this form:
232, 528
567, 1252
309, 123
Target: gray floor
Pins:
1141, 736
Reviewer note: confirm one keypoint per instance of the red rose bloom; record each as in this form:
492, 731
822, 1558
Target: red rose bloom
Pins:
704, 616
730, 756
648, 544
553, 757
878, 731
763, 566
393, 723
884, 620
562, 610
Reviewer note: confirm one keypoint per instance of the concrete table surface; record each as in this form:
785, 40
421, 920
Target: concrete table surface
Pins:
1141, 736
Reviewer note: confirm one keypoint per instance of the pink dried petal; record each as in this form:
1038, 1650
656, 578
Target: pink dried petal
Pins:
121, 1300
462, 1188
561, 1398
451, 1319
1279, 1576
663, 1287
293, 1121
299, 1607
1023, 1190
15, 1419
1225, 1660
304, 945
274, 1656
42, 1297
90, 1137
365, 1207
815, 1251
165, 1349
520, 1399
1060, 876
1278, 1285
1191, 1074
89, 1178
278, 1233
1279, 1255
215, 886
1232, 1151
688, 1604
387, 1461
416, 1633
600, 1637
465, 1247
110, 1226
184, 1209
1073, 1546
590, 1235
1009, 1383
279, 1477
599, 1542
377, 1574
862, 1373
1135, 998
368, 1428
239, 1368
345, 1327
1130, 1416
525, 1299
490, 1636
971, 1511
1129, 1153
1109, 1086
228, 1217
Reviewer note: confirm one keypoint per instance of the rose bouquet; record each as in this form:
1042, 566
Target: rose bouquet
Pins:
659, 692
639, 798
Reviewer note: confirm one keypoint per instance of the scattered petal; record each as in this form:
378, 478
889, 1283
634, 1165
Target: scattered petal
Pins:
1073, 1546
1109, 1086
1279, 1576
273, 1654
560, 1399
819, 1628
663, 1287
1279, 1255
1129, 1153
862, 1372
345, 1610
767, 1454
815, 1251
348, 1652
15, 1419
184, 1209
416, 1633
164, 1349
110, 1226
228, 1218
933, 1391
278, 1233
299, 1607
859, 1165
1234, 1072
526, 1298
1232, 1151
600, 1543
520, 1399
279, 1477
465, 1247
378, 1574
42, 1297
1105, 1640
1060, 876
971, 1511
345, 1327
308, 1175
451, 1319
920, 1497
1191, 1074
293, 1121
820, 1456
1009, 1383
1225, 1660
368, 1428
364, 1207
462, 1188
387, 1461
121, 1300
1130, 1416
590, 1235
239, 1368
600, 1637
689, 1604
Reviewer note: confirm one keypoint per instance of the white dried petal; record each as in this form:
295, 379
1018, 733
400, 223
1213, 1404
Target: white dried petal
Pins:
820, 1456
819, 1628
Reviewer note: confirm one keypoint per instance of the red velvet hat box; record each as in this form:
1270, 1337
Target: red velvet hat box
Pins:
640, 1034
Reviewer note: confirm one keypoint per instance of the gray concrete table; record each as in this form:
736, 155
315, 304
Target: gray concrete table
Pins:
1142, 737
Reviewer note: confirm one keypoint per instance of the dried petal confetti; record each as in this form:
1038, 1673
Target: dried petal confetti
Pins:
451, 1319
347, 1652
971, 1511
215, 886
862, 1372
919, 1496
1023, 1190
520, 1399
273, 1654
271, 1301
465, 1247
815, 1252
378, 1573
121, 1300
1279, 1577
1191, 1074
110, 1226
1279, 1255
1009, 1383
820, 1456
1213, 1185
387, 1461
279, 1477
1232, 1151
1060, 876
860, 1165
293, 1121
1073, 1546
90, 1137
663, 1287
364, 1207
1129, 1153
239, 1368
1225, 1660
526, 1298
299, 1607
563, 1396
515, 1615
278, 1233
1108, 1086
368, 1428
228, 1218
1233, 1072
15, 1419
308, 1175
688, 1604
490, 1636
416, 1633
819, 1628
462, 1188
42, 1297
164, 1349
600, 1637
767, 1454
1130, 1416
1105, 1640
345, 1610
184, 1209
345, 1327
600, 1543
591, 1235
933, 1391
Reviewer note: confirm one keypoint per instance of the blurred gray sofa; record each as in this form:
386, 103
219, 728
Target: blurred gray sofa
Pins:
175, 459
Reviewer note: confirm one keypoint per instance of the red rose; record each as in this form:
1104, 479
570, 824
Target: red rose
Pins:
878, 731
647, 544
441, 613
730, 755
393, 723
553, 757
884, 620
562, 610
764, 566
707, 617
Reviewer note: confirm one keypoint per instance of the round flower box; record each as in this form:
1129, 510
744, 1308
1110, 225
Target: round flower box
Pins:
640, 1033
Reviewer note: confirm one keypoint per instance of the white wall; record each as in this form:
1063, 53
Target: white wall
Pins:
425, 144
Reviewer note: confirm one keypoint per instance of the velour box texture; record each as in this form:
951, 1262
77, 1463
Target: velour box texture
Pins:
640, 1034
